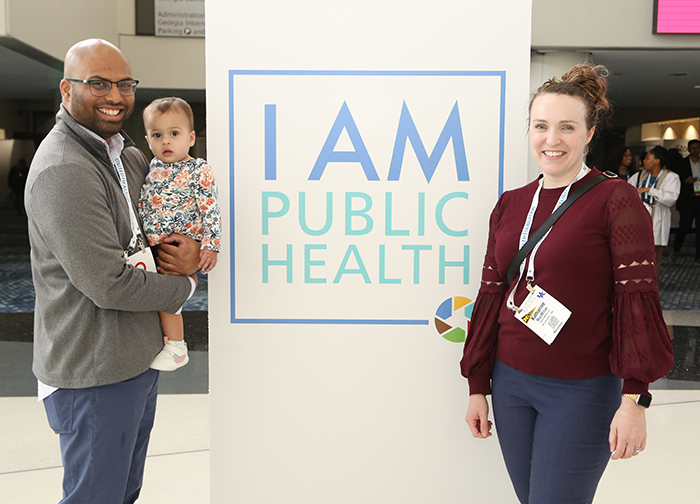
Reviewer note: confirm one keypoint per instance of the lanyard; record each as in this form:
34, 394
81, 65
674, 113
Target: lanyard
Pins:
525, 233
116, 144
135, 231
646, 197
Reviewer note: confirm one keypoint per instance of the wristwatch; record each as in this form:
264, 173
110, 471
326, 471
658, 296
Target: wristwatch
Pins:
642, 399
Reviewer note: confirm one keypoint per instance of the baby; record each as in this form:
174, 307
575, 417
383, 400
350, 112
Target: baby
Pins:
179, 196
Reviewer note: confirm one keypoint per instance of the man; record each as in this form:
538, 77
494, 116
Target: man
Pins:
96, 329
16, 180
688, 204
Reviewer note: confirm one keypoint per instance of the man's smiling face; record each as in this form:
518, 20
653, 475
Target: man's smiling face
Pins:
104, 115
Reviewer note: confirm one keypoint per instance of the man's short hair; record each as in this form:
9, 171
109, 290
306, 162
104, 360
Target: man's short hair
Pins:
691, 142
163, 105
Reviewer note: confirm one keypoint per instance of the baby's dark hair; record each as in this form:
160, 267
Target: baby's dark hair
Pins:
163, 105
587, 82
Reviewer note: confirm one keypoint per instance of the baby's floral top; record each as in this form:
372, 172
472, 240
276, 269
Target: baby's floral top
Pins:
181, 198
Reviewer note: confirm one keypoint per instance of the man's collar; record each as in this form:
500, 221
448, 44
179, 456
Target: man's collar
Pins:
114, 146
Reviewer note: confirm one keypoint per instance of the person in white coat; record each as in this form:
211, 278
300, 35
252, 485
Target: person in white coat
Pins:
659, 188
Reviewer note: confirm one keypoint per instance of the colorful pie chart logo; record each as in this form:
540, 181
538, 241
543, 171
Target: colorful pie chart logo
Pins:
453, 317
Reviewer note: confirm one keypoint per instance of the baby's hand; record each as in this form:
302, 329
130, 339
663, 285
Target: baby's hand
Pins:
207, 260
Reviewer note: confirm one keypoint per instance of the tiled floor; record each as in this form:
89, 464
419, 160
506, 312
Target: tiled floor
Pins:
679, 286
30, 467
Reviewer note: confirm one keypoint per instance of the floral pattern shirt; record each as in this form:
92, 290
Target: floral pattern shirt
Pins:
181, 198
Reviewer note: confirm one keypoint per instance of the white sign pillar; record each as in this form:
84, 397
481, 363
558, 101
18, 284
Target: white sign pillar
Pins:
359, 149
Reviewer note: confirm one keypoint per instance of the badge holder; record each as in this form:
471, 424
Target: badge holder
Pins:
141, 259
543, 314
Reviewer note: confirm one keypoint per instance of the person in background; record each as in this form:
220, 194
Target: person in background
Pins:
688, 204
674, 158
96, 327
620, 162
658, 187
17, 180
565, 399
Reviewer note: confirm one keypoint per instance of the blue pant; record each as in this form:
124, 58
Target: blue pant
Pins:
687, 216
554, 433
104, 433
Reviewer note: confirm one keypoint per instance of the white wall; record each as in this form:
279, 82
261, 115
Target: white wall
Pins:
165, 62
127, 17
3, 19
54, 26
600, 24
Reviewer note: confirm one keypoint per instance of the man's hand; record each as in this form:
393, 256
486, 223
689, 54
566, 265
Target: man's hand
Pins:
178, 255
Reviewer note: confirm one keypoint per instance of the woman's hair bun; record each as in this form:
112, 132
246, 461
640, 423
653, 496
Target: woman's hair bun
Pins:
587, 82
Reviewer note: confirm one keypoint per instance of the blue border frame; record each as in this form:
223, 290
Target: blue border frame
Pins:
426, 73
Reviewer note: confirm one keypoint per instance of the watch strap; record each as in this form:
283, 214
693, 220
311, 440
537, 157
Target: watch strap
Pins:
642, 400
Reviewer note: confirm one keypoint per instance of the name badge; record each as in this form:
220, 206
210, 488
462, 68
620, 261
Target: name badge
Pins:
143, 259
543, 314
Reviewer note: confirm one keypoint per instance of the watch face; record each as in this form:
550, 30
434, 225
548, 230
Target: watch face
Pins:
644, 400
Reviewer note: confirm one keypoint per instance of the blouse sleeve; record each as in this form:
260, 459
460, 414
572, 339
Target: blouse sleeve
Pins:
208, 207
641, 351
480, 348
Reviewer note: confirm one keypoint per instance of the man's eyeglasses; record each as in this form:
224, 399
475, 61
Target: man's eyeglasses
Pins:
101, 87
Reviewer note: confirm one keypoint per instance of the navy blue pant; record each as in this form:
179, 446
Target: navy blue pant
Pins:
687, 216
104, 433
554, 433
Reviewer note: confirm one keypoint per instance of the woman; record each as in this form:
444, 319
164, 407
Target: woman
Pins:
659, 188
557, 404
620, 162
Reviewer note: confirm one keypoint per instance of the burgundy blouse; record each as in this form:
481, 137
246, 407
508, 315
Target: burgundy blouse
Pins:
598, 261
